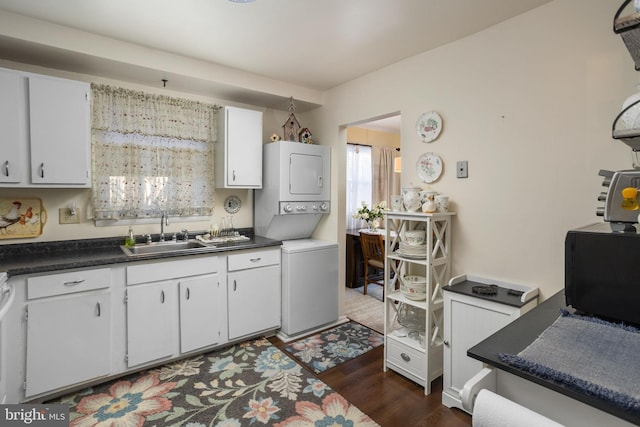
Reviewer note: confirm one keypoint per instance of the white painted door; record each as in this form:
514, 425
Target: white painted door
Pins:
12, 138
150, 321
253, 300
68, 341
59, 131
199, 326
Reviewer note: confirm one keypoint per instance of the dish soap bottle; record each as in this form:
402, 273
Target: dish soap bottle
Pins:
130, 240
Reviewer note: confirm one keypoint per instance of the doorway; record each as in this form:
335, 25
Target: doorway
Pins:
373, 146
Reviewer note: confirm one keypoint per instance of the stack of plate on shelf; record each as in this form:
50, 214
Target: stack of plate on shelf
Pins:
412, 251
414, 287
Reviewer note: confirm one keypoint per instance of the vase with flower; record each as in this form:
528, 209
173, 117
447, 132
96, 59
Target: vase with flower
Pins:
373, 216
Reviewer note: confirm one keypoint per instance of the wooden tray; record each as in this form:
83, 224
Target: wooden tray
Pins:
21, 218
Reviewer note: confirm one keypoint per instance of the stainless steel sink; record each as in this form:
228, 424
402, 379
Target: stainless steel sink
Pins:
189, 246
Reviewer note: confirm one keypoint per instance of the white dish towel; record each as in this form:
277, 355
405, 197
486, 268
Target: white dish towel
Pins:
493, 410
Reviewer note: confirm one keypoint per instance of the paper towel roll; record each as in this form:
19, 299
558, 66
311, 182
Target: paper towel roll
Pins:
492, 410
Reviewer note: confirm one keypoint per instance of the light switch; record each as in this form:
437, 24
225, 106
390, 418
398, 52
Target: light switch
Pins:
462, 169
67, 216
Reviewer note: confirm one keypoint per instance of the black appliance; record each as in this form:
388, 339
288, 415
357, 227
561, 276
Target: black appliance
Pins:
602, 272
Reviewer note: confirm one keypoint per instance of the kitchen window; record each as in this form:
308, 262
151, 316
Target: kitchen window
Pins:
150, 154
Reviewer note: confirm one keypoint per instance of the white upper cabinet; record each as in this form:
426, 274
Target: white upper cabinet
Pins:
46, 131
13, 128
60, 131
238, 153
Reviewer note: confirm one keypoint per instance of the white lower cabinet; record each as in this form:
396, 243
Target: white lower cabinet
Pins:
253, 292
470, 318
150, 322
76, 327
68, 329
171, 308
199, 320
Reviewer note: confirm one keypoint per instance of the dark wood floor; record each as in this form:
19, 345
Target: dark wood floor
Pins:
387, 397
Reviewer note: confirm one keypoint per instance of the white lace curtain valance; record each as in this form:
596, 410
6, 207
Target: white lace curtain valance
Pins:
128, 111
151, 154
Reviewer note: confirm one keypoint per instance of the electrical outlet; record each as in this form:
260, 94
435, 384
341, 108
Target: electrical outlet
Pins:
67, 218
462, 169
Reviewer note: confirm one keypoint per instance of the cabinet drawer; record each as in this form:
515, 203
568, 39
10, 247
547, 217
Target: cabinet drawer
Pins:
67, 283
407, 358
253, 259
167, 270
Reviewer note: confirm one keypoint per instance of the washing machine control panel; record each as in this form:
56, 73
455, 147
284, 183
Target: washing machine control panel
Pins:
319, 207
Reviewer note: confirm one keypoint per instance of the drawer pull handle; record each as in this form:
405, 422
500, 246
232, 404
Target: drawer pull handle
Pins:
6, 168
41, 170
162, 297
74, 283
188, 293
98, 309
255, 259
235, 285
405, 357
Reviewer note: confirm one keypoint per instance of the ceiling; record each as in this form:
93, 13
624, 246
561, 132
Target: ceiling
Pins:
312, 44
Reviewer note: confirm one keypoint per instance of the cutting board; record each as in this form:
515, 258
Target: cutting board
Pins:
21, 218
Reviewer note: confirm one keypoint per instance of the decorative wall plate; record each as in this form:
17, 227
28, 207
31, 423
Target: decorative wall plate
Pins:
429, 167
232, 204
429, 126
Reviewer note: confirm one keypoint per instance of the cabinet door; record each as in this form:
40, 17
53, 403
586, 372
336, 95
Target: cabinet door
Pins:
253, 300
60, 132
467, 322
12, 138
150, 320
199, 325
244, 148
68, 341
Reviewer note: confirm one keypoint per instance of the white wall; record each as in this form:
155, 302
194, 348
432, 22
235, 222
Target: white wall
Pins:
529, 104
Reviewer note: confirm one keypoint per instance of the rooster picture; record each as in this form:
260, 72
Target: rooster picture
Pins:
26, 217
10, 217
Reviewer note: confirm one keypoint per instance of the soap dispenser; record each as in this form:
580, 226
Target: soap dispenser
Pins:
130, 240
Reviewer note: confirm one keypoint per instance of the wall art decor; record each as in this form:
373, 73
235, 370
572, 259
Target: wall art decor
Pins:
429, 126
21, 217
429, 167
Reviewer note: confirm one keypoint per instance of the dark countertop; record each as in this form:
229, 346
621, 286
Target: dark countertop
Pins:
29, 258
502, 295
517, 335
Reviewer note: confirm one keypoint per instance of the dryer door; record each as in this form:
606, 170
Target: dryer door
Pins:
306, 174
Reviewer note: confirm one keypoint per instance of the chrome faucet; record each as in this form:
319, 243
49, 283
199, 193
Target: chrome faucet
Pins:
185, 234
164, 220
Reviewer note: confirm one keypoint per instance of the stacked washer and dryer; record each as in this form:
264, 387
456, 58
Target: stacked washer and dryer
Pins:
295, 195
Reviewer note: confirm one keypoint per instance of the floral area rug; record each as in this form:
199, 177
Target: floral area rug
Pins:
330, 348
248, 384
